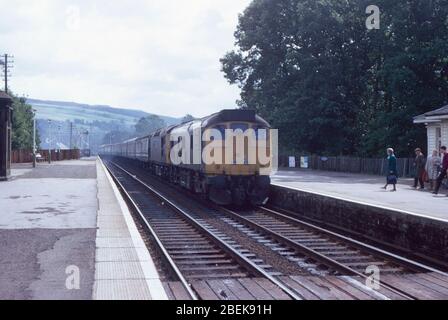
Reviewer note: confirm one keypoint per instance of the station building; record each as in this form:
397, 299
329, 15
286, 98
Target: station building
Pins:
5, 136
436, 122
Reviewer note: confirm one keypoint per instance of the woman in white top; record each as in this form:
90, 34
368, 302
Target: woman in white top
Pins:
432, 165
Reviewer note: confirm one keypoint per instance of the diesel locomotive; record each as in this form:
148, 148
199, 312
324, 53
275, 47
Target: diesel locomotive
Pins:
227, 182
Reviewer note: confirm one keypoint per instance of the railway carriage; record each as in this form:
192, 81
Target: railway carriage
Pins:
223, 182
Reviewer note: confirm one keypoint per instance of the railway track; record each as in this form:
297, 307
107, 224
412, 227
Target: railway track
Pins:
314, 249
346, 255
193, 251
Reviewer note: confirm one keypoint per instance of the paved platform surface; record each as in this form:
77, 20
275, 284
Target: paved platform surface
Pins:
124, 270
48, 235
47, 227
366, 189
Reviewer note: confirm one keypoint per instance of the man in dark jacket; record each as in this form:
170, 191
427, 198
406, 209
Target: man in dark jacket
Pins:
419, 164
444, 172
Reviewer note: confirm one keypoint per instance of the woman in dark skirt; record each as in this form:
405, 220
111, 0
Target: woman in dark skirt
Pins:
392, 169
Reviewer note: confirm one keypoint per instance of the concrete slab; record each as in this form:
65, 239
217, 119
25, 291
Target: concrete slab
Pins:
75, 250
33, 263
48, 203
47, 231
57, 222
365, 189
121, 290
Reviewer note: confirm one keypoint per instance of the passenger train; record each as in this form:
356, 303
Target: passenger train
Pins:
223, 182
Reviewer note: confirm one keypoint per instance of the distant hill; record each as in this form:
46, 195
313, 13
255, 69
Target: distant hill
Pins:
82, 125
63, 111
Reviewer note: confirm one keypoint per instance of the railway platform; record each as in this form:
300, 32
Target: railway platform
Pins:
65, 233
366, 189
411, 221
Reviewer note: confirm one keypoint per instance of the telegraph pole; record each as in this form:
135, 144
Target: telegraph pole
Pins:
34, 138
49, 148
6, 73
7, 66
89, 137
71, 135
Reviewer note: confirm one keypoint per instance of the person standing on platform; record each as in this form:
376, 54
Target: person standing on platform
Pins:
419, 165
443, 173
392, 176
432, 166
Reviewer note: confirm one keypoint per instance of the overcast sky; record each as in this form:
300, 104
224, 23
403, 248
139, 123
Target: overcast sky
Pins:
160, 56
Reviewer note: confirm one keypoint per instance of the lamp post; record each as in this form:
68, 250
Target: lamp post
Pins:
49, 148
34, 138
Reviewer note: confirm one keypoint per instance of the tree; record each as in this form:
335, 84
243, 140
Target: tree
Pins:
330, 86
116, 136
149, 124
409, 55
187, 118
22, 125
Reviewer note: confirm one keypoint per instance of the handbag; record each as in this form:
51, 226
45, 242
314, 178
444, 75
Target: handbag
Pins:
392, 179
425, 176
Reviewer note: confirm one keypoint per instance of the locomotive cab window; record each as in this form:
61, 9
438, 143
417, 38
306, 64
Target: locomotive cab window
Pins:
221, 129
242, 126
261, 132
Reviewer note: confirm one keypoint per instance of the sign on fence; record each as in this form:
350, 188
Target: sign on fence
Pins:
304, 163
292, 162
376, 166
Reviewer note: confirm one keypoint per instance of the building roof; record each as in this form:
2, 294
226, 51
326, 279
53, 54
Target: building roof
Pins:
438, 112
4, 96
433, 115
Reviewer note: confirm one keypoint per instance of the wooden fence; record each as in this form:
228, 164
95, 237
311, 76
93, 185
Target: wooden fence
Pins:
26, 156
374, 166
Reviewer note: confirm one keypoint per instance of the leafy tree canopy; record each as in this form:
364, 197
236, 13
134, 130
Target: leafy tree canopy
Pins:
148, 124
331, 86
187, 118
116, 136
22, 125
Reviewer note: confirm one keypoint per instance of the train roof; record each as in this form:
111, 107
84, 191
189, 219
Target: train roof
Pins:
227, 115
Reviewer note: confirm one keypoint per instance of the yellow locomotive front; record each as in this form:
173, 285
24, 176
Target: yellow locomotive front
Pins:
237, 157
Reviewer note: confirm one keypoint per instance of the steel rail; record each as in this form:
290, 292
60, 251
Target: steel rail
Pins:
310, 252
416, 266
160, 246
226, 247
